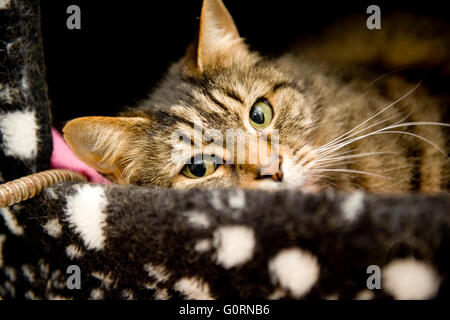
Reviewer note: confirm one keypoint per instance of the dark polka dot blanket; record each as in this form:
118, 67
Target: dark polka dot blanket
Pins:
88, 241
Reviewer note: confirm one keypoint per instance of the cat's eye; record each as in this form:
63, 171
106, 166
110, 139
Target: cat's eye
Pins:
200, 168
261, 114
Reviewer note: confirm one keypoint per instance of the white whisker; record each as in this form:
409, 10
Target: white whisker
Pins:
382, 131
356, 156
352, 171
385, 75
365, 129
333, 163
423, 123
375, 115
417, 136
398, 168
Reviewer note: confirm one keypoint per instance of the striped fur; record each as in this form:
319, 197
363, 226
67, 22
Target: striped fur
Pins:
316, 98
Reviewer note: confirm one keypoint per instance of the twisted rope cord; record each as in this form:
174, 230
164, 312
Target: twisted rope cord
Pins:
30, 186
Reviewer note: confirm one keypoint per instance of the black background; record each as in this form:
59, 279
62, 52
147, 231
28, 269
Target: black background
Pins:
124, 47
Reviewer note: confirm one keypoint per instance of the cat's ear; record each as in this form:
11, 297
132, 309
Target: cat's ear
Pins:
218, 43
102, 142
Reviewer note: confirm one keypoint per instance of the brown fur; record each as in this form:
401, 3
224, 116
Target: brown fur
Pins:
318, 92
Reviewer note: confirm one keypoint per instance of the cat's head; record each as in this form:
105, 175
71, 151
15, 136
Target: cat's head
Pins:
221, 103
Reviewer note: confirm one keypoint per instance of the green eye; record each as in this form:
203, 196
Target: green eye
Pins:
261, 115
200, 168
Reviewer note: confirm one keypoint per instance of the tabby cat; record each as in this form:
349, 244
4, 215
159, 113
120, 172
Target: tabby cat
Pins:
338, 124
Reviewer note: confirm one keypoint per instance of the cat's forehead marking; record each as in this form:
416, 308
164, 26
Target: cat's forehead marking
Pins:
178, 110
228, 104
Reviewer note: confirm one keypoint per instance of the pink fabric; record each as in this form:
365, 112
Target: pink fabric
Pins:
64, 158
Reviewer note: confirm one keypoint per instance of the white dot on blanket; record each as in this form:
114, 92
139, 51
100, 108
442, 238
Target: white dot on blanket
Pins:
159, 272
51, 193
25, 82
215, 200
58, 280
106, 279
10, 273
97, 294
161, 294
295, 270
30, 295
410, 279
85, 212
11, 222
353, 205
19, 131
193, 288
236, 199
202, 245
28, 272
234, 244
197, 219
44, 268
53, 227
73, 251
4, 4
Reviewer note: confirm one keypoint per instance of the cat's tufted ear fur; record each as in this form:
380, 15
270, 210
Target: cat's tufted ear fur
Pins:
218, 44
106, 143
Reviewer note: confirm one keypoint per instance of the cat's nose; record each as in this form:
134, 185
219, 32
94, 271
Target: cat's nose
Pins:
273, 170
